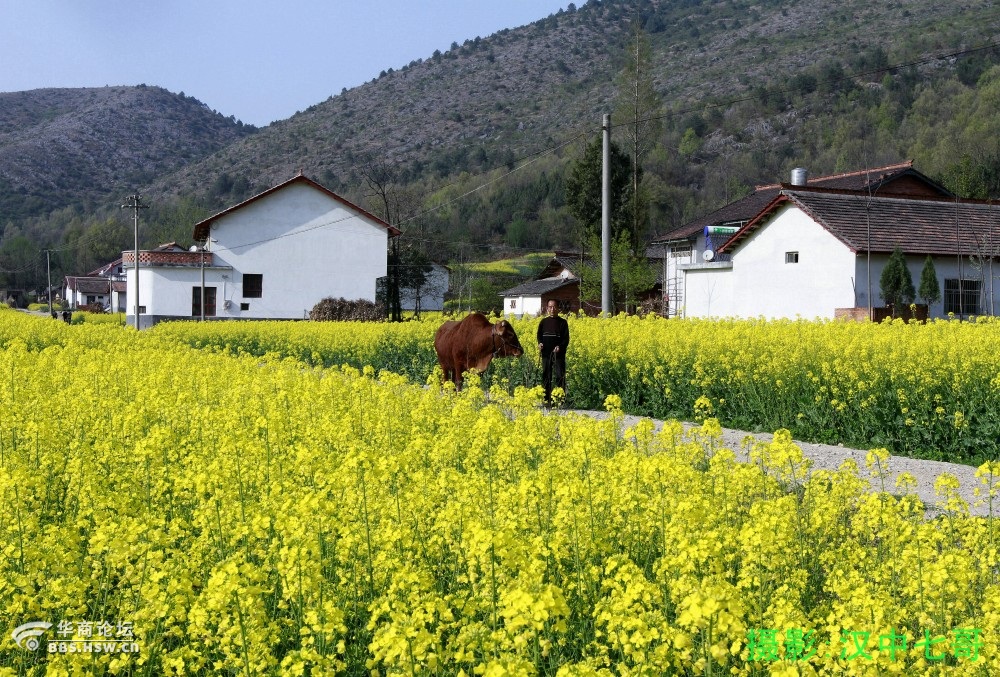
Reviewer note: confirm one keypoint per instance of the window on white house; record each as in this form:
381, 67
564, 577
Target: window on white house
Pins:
196, 301
244, 306
253, 285
962, 296
791, 257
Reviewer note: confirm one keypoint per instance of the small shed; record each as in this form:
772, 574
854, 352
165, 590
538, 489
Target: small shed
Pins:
556, 281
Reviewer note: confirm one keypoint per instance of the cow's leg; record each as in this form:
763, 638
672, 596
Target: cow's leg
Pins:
451, 372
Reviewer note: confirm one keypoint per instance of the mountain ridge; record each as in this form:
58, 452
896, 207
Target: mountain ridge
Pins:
749, 89
58, 146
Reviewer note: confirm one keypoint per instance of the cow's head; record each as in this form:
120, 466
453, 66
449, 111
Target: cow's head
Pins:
505, 339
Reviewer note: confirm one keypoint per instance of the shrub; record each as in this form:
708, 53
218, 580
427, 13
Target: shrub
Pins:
341, 310
43, 307
896, 283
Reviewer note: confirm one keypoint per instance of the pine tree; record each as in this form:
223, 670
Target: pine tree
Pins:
583, 188
896, 282
930, 289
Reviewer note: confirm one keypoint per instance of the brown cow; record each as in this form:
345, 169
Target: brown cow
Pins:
472, 344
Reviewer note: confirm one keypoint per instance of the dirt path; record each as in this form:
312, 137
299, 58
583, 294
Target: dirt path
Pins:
829, 457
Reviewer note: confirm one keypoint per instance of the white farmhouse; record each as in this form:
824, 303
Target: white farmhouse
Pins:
700, 241
819, 253
556, 281
104, 286
84, 291
273, 256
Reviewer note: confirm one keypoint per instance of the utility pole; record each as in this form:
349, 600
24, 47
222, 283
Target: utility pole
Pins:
606, 219
201, 255
134, 202
48, 276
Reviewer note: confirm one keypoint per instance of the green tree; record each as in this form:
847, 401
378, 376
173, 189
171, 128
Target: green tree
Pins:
690, 143
485, 296
631, 274
414, 267
583, 189
98, 243
896, 283
168, 221
976, 177
22, 263
930, 289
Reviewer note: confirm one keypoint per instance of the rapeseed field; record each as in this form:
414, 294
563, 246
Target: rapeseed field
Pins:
229, 499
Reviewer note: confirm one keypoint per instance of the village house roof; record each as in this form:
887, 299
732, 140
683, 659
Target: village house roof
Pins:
88, 285
557, 273
917, 225
201, 229
105, 270
895, 179
540, 287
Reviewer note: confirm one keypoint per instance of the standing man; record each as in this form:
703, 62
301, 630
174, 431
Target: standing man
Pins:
553, 339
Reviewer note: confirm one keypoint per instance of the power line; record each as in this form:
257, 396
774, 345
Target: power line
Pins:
531, 159
536, 156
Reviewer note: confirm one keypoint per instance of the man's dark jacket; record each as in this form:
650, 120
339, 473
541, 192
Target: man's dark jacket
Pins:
552, 332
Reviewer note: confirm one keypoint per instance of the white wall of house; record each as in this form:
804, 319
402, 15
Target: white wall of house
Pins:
792, 267
306, 245
166, 291
708, 290
947, 268
76, 298
519, 306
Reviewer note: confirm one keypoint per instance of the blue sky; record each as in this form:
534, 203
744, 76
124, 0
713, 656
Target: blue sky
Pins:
258, 60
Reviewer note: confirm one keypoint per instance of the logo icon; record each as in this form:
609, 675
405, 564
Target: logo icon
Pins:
31, 631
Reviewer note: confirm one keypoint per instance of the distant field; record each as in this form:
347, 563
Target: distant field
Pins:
529, 264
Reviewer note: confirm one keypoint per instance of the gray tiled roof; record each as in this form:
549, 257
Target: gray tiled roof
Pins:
89, 285
879, 224
539, 287
895, 178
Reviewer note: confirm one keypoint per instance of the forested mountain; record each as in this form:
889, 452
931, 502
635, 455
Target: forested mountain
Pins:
477, 142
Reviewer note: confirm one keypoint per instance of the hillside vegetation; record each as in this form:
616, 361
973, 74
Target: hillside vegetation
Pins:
62, 147
476, 142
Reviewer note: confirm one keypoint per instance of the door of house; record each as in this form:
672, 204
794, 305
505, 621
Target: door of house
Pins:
196, 301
